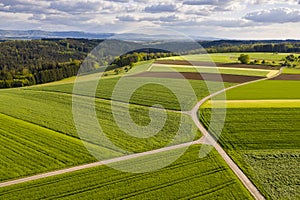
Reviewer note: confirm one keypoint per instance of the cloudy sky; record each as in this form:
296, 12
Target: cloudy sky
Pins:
247, 19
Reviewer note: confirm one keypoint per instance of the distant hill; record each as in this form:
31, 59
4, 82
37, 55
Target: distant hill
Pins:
37, 34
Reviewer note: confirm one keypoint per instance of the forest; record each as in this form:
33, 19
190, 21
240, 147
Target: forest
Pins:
30, 62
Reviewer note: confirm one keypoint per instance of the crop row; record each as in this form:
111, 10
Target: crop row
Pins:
264, 142
150, 94
189, 176
27, 149
41, 128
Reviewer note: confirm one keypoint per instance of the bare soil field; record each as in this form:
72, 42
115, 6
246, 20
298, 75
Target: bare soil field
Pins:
290, 77
198, 76
197, 63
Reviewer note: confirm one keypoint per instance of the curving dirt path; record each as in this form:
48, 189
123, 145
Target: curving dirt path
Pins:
206, 139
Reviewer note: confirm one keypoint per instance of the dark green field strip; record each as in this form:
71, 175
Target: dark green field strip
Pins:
259, 128
97, 99
148, 94
54, 111
265, 143
28, 149
188, 176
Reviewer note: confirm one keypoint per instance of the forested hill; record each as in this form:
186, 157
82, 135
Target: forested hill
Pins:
30, 62
279, 46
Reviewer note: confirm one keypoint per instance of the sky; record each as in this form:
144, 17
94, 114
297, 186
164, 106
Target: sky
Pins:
248, 19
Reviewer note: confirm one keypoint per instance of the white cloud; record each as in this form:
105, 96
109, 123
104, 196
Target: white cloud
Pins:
127, 18
75, 6
188, 16
260, 2
216, 5
161, 8
229, 23
276, 15
208, 2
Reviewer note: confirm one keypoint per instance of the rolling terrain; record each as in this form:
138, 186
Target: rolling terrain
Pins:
50, 122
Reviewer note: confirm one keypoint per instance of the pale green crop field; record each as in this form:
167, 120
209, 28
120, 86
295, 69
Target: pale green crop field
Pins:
291, 71
283, 103
271, 89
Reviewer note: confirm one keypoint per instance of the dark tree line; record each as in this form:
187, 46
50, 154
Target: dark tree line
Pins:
251, 46
128, 59
25, 63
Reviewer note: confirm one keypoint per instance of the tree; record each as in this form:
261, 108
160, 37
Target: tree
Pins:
244, 59
291, 61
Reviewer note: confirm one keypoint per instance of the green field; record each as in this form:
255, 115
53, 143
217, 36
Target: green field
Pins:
221, 70
148, 94
271, 89
39, 122
291, 71
45, 111
264, 142
262, 134
231, 57
189, 177
38, 135
28, 149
